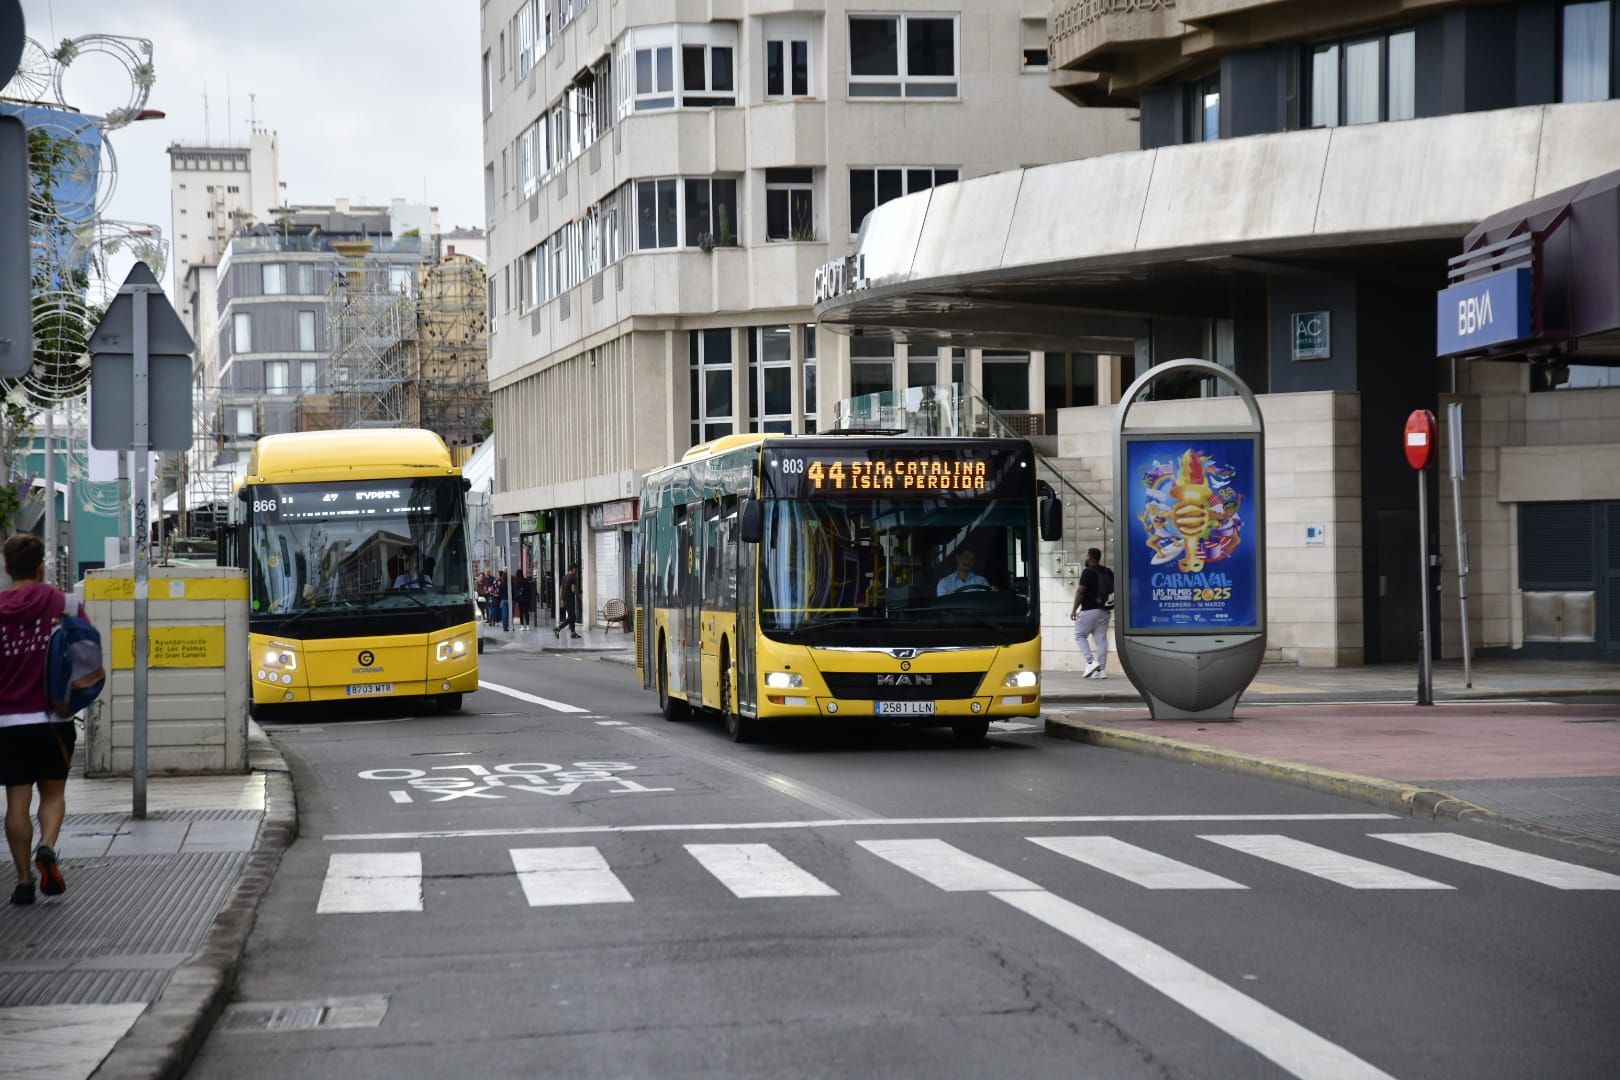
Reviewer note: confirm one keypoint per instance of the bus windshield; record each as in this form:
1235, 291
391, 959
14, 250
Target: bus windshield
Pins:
375, 546
853, 571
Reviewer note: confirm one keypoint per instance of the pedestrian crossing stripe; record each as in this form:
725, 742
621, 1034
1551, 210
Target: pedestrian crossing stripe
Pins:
378, 882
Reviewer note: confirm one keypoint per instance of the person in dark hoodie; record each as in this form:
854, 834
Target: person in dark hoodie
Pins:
35, 747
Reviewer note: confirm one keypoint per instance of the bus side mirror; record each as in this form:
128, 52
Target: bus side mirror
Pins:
751, 521
1052, 519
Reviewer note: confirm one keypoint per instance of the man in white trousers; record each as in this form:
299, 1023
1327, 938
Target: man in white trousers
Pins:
1090, 614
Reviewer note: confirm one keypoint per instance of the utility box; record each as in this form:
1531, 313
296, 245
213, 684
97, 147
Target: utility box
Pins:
197, 683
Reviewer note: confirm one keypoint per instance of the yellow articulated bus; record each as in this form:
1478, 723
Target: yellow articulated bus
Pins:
859, 577
355, 544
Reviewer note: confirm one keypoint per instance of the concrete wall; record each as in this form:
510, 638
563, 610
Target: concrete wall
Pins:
1313, 476
1520, 447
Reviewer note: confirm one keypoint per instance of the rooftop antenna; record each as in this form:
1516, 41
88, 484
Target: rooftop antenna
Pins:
228, 135
207, 136
253, 111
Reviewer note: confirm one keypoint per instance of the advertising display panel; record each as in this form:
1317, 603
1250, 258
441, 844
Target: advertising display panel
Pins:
1193, 528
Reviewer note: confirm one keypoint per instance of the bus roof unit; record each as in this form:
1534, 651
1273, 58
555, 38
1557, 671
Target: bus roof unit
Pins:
355, 454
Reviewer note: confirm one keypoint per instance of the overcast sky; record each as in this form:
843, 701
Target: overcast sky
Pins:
371, 99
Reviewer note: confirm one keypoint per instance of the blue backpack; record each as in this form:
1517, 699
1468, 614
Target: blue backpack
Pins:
74, 674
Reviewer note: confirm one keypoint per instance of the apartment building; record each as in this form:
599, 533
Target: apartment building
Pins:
1310, 177
663, 181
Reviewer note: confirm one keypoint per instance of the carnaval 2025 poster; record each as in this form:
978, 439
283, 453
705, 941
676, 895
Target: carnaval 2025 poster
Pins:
1194, 534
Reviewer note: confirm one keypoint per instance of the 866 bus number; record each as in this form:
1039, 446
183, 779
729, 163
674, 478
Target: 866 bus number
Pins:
264, 506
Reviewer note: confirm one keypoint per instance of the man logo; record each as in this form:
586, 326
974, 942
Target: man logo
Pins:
905, 680
366, 658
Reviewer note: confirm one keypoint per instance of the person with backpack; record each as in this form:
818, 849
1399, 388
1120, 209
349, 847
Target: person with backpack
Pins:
36, 738
1093, 600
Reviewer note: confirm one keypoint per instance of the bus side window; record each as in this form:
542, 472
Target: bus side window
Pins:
712, 573
728, 553
682, 569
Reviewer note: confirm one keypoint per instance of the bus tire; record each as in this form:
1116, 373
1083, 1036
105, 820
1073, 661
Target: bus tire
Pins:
738, 726
449, 702
672, 708
970, 732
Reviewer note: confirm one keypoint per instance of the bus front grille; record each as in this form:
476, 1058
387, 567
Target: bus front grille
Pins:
903, 686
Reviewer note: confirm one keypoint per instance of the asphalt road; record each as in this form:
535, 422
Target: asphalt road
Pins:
563, 884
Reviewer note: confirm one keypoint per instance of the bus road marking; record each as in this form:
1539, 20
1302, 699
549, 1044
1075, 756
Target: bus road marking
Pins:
522, 777
532, 699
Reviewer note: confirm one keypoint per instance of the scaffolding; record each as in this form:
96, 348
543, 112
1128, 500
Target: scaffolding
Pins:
371, 329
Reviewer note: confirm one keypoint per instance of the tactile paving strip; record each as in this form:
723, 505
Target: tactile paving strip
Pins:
166, 815
80, 987
123, 906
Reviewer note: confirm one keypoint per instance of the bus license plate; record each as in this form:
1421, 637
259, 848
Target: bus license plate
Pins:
905, 708
371, 688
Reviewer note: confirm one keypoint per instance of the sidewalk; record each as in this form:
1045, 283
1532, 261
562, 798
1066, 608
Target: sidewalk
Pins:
611, 645
1550, 766
126, 972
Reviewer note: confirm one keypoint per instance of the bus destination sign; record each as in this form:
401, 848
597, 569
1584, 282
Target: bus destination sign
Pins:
292, 502
899, 472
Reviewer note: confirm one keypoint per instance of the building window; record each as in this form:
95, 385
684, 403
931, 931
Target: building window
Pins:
275, 377
710, 356
402, 280
657, 213
711, 213
1204, 110
770, 379
308, 376
244, 420
1364, 81
1585, 70
910, 56
1006, 379
1564, 376
241, 332
812, 408
790, 204
306, 331
707, 76
1034, 45
273, 277
871, 188
525, 38
655, 78
787, 68
871, 368
489, 84
602, 75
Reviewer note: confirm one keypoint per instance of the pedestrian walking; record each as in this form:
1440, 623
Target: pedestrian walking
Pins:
496, 600
520, 605
36, 747
570, 603
1093, 599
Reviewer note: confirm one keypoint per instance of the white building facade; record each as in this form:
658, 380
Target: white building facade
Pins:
663, 181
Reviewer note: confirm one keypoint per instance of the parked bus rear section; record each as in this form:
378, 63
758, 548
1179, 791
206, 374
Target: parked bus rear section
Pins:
355, 543
843, 576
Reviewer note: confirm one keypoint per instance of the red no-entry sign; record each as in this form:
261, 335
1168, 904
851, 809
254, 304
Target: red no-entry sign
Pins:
1419, 441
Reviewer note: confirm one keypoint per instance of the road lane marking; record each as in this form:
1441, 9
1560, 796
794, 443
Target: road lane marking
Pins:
532, 699
1146, 868
843, 823
824, 801
751, 871
946, 867
1269, 1033
370, 882
559, 877
1537, 868
612, 723
1334, 866
400, 796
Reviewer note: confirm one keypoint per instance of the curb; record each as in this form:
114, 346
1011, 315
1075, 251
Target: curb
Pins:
1356, 697
1409, 799
166, 1037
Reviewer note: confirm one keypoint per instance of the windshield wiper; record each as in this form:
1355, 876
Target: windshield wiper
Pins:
840, 620
413, 598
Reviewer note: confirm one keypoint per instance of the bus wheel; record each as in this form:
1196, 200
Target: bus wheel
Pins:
739, 727
449, 702
970, 732
672, 708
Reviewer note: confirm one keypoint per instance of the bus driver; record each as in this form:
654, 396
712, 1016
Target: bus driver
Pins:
963, 576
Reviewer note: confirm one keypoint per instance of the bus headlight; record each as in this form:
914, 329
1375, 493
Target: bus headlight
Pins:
784, 680
454, 649
1023, 678
280, 660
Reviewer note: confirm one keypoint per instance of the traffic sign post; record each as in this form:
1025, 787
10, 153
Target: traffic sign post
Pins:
1420, 431
1456, 458
16, 267
123, 342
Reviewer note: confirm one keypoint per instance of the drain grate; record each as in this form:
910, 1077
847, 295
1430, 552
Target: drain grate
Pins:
326, 1014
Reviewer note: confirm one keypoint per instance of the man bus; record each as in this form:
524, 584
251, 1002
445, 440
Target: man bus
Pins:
355, 543
844, 576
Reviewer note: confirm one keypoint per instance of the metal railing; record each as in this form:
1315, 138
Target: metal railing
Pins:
955, 409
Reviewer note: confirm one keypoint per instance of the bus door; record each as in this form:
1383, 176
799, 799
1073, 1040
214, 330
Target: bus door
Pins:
689, 600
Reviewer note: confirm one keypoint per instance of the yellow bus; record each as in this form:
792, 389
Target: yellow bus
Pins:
862, 577
355, 543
